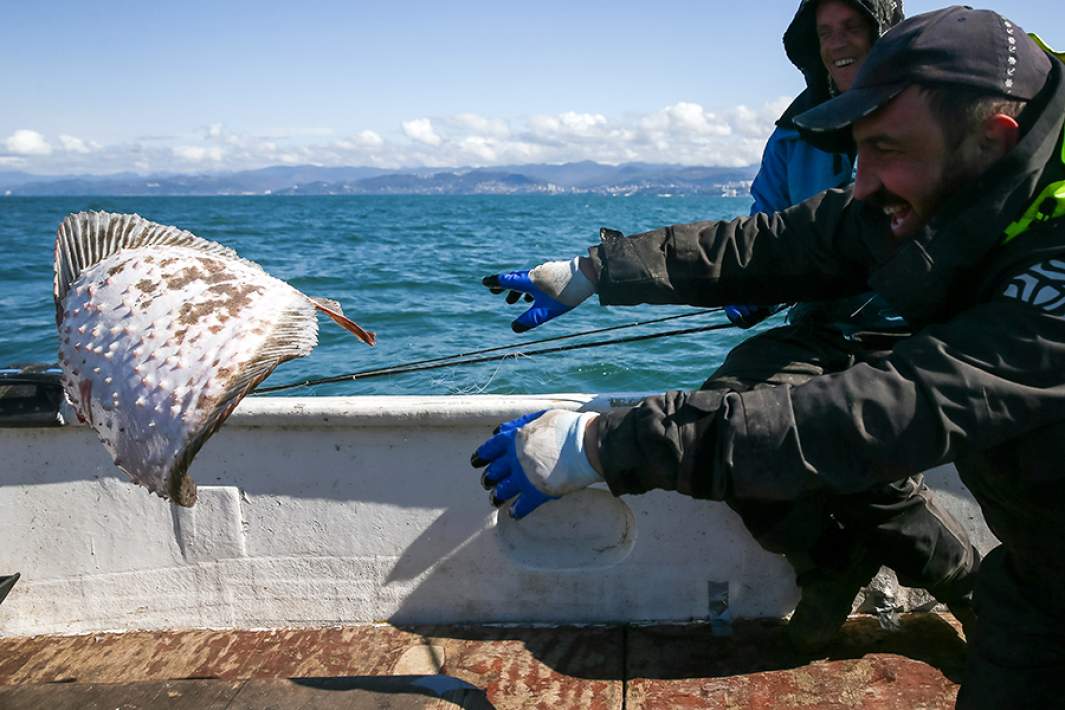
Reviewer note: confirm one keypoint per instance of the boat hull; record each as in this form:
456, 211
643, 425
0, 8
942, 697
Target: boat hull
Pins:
324, 510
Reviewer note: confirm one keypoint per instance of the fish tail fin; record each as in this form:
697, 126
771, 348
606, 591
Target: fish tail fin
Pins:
332, 309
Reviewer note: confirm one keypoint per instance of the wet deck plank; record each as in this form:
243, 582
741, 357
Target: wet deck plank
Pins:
358, 693
560, 667
598, 667
177, 694
917, 666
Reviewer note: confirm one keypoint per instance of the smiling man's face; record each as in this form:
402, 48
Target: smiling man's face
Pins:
902, 162
845, 37
907, 164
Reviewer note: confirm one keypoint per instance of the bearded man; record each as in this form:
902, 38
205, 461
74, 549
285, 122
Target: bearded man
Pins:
955, 219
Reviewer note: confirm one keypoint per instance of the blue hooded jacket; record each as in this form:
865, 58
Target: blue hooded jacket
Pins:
793, 170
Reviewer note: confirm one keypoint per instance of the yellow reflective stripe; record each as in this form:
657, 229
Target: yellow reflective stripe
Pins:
1055, 193
1046, 47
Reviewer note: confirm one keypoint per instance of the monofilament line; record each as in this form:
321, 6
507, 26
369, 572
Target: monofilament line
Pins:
473, 357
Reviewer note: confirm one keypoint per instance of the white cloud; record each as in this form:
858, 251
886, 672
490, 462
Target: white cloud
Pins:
197, 154
683, 121
492, 128
569, 124
480, 149
72, 144
683, 132
757, 123
368, 139
27, 142
421, 130
363, 139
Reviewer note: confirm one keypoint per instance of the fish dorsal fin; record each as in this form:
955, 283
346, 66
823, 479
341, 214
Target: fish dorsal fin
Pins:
86, 238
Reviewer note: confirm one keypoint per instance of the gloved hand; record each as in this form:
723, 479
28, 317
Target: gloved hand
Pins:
536, 458
554, 288
746, 316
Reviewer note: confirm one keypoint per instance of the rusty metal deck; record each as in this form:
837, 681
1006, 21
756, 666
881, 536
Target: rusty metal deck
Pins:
631, 667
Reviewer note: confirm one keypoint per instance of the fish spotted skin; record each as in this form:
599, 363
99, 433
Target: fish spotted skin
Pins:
159, 342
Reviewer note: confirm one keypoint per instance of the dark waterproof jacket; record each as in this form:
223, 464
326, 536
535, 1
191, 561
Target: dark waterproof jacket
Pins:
980, 383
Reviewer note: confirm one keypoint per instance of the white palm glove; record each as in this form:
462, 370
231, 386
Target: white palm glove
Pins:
536, 458
554, 287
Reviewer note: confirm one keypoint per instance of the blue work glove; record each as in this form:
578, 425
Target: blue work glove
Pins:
746, 316
553, 288
536, 458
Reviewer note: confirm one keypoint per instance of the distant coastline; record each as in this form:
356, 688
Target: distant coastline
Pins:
568, 178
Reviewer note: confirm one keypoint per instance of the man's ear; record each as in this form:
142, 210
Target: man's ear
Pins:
1000, 135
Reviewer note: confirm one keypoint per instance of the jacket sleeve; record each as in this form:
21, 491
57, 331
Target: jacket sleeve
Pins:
811, 251
991, 374
770, 186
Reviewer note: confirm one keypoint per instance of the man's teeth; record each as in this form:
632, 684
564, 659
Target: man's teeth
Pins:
893, 210
840, 63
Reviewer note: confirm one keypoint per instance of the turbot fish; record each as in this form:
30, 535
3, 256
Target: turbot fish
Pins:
162, 333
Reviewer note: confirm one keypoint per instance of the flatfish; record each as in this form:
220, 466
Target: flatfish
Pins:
162, 333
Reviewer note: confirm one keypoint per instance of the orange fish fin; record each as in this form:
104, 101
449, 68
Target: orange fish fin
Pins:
332, 309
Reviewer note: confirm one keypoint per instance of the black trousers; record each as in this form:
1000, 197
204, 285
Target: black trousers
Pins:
899, 523
1016, 656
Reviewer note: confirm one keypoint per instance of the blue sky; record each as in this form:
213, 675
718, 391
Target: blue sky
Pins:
196, 86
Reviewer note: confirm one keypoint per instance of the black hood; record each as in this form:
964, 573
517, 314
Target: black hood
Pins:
804, 49
947, 266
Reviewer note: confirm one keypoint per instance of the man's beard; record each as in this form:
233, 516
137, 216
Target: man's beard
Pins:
955, 179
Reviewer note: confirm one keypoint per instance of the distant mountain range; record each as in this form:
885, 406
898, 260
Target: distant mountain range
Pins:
582, 177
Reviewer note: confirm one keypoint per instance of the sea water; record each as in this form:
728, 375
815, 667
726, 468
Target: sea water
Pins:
408, 268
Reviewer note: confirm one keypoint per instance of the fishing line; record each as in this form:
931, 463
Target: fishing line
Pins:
555, 338
471, 357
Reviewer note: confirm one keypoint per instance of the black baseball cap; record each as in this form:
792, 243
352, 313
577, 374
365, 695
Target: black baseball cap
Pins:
957, 46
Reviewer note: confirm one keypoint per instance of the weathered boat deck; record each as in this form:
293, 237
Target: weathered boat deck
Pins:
381, 666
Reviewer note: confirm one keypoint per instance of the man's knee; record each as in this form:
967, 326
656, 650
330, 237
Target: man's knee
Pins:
784, 528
